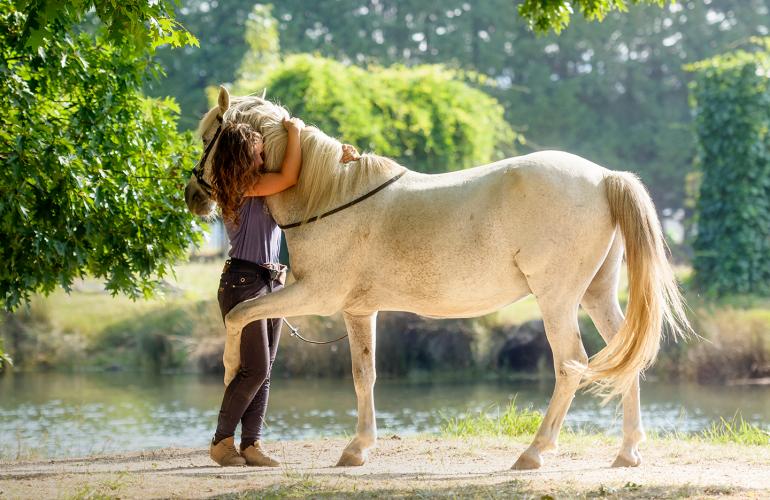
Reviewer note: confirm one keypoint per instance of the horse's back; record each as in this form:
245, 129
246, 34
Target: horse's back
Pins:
556, 165
508, 199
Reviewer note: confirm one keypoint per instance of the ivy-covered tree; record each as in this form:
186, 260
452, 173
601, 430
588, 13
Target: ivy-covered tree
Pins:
731, 93
91, 169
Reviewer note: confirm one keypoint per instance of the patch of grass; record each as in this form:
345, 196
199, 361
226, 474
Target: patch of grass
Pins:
108, 489
512, 422
736, 430
155, 340
516, 422
294, 488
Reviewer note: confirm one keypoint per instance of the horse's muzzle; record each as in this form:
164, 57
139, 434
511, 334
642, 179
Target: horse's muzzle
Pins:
198, 202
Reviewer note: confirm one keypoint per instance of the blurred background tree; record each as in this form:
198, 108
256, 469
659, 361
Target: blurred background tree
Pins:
614, 92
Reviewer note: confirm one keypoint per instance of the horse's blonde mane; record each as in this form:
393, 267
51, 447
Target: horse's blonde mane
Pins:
323, 183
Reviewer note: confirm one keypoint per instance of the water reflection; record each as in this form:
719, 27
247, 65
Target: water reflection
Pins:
70, 415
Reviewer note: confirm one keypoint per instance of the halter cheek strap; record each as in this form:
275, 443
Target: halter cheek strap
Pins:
197, 171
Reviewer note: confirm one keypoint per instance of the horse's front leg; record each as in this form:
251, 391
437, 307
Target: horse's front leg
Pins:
297, 299
362, 334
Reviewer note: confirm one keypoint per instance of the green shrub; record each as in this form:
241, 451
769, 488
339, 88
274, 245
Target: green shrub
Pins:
425, 117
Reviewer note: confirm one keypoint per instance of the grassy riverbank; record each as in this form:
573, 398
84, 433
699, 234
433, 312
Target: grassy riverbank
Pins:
182, 331
514, 422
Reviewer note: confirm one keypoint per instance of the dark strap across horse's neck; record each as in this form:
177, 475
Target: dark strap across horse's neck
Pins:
346, 205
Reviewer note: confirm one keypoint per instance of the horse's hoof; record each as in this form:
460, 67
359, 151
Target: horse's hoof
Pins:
349, 459
528, 462
627, 460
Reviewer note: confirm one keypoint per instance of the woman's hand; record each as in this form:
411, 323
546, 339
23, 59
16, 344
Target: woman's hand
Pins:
293, 125
270, 183
349, 153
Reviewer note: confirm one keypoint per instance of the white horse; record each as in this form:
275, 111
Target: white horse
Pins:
464, 244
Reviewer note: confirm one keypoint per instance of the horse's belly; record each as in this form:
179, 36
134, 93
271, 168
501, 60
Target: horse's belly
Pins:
461, 308
455, 294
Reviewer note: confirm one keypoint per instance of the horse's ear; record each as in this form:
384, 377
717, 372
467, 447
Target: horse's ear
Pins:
223, 100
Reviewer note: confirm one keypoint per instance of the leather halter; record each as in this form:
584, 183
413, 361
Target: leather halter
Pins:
197, 171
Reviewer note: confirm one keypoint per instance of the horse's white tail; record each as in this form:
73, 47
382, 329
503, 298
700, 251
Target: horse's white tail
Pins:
653, 294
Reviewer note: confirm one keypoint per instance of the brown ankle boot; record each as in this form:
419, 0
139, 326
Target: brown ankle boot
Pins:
254, 455
225, 454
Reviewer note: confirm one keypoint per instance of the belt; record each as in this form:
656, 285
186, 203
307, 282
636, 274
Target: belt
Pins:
269, 272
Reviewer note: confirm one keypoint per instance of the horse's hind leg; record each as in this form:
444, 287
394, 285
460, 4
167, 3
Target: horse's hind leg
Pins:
361, 334
561, 328
601, 303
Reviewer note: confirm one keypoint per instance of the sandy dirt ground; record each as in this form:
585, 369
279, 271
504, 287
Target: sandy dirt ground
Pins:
408, 467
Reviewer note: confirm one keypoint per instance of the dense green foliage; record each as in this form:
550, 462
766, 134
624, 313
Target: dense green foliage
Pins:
423, 116
546, 15
91, 177
614, 92
732, 247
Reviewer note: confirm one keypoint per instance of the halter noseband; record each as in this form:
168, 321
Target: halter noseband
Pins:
197, 171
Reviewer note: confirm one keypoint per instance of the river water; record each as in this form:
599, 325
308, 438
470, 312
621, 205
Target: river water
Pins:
60, 415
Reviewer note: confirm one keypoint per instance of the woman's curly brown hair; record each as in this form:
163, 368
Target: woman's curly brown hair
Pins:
235, 167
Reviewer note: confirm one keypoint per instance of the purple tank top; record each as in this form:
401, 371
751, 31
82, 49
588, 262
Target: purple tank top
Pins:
256, 237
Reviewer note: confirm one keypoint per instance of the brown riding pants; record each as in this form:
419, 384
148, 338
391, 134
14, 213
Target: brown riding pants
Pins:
245, 399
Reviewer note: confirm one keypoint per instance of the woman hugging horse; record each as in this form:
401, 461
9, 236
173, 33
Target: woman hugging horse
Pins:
238, 184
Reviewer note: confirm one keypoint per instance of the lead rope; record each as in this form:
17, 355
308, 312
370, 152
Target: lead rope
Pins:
295, 331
